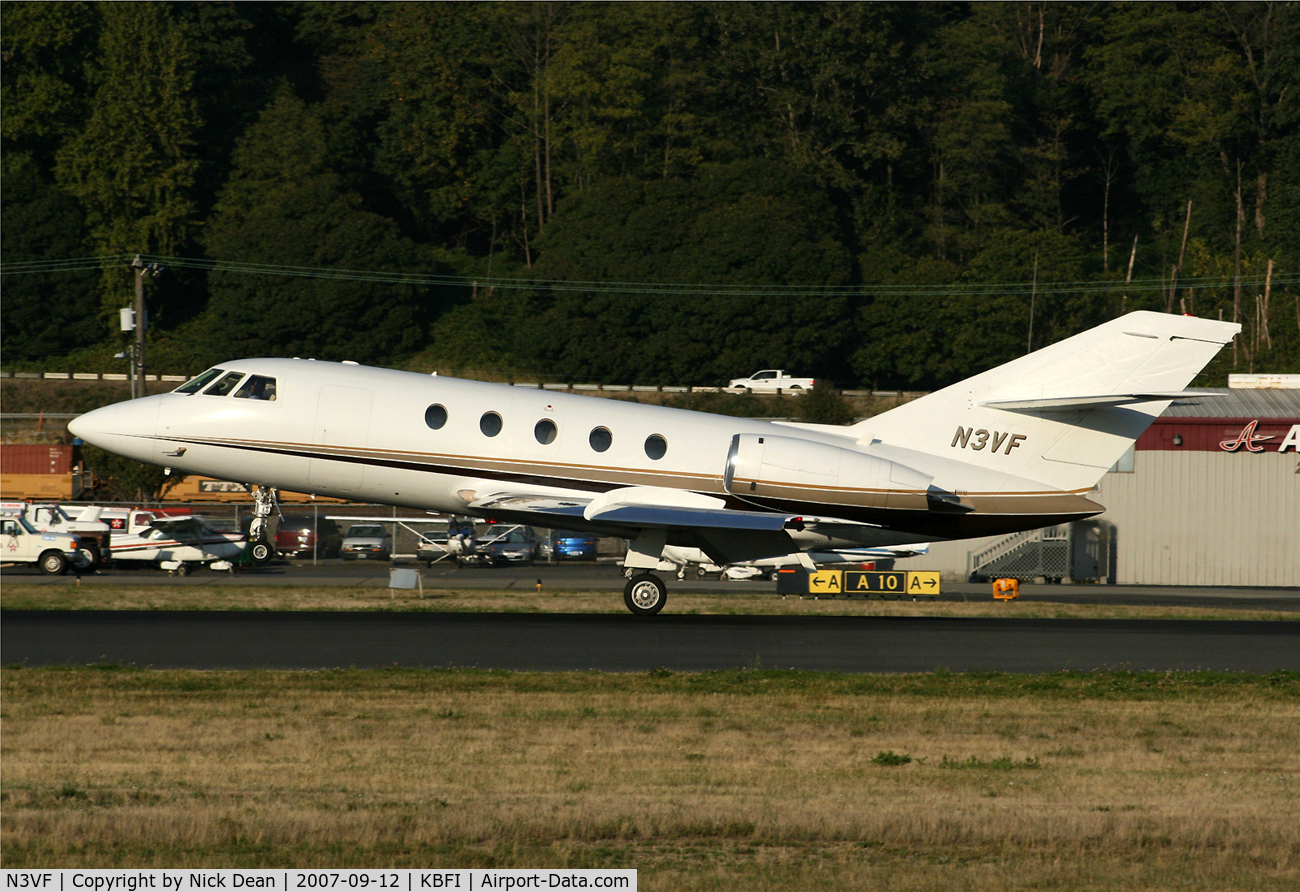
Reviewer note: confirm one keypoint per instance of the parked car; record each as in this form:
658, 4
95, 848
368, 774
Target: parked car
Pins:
366, 541
298, 534
770, 381
455, 538
566, 545
504, 544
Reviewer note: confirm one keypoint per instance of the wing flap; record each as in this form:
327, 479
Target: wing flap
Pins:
632, 507
668, 516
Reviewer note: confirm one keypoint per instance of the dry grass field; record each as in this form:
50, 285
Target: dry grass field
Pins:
207, 595
737, 780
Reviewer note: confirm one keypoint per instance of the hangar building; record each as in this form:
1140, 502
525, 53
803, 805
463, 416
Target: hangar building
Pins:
1209, 495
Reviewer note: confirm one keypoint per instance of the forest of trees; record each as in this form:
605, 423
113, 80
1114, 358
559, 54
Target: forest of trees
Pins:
871, 193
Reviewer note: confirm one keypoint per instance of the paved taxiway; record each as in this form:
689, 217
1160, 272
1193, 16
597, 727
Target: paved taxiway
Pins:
626, 643
201, 640
608, 577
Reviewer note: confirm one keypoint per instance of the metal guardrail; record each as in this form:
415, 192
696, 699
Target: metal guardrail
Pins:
575, 388
90, 376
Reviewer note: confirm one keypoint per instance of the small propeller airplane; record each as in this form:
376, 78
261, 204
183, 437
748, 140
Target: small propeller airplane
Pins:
1014, 448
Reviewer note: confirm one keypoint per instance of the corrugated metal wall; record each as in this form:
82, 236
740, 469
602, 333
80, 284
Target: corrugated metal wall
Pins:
1187, 518
1206, 518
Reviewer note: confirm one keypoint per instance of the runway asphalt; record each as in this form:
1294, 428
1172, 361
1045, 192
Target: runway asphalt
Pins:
212, 640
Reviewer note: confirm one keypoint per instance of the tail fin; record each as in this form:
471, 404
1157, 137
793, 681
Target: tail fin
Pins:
1064, 414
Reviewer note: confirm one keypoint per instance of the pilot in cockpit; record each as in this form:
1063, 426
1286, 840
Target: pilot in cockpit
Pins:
257, 387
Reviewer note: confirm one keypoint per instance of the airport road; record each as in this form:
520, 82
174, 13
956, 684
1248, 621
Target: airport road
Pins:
211, 640
607, 577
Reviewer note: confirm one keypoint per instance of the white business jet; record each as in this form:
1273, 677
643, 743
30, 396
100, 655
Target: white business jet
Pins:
1014, 448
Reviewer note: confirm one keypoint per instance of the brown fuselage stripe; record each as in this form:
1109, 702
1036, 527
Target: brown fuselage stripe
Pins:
912, 520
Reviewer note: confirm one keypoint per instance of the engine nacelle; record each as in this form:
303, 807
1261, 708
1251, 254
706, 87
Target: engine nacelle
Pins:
791, 467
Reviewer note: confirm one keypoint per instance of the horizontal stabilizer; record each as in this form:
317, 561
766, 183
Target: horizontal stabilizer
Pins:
1070, 403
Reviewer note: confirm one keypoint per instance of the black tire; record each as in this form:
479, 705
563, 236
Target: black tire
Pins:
87, 559
645, 594
261, 552
53, 563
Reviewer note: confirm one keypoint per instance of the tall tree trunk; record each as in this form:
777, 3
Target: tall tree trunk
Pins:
550, 198
1236, 264
1128, 278
1105, 229
1173, 282
1261, 195
537, 148
1268, 287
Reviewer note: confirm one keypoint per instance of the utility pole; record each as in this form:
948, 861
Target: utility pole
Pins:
137, 361
1029, 342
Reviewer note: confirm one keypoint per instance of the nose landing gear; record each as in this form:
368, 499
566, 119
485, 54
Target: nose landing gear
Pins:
261, 549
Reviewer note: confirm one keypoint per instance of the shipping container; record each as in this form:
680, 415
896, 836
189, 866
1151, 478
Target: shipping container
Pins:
18, 458
205, 489
41, 487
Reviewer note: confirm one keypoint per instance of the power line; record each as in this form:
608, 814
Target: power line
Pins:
693, 289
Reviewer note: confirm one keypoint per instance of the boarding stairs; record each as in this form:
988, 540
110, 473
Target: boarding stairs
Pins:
1045, 553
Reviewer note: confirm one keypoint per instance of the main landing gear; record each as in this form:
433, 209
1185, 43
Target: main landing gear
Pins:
645, 594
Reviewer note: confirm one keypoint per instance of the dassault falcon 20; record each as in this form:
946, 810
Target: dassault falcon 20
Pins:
1014, 448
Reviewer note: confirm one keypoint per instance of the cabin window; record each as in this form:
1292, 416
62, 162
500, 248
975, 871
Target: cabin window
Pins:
225, 385
435, 416
656, 447
257, 387
196, 384
490, 424
545, 431
600, 439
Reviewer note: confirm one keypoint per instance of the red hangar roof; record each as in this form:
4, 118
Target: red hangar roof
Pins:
1232, 420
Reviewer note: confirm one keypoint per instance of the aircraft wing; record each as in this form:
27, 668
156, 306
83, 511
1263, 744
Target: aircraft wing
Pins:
634, 507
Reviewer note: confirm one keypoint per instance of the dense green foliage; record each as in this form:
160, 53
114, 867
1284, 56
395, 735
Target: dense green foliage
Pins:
641, 193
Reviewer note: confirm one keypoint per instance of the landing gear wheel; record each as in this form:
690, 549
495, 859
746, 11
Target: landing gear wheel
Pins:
645, 595
53, 563
261, 552
87, 559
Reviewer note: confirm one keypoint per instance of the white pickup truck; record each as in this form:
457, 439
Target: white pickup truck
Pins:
770, 381
84, 523
22, 543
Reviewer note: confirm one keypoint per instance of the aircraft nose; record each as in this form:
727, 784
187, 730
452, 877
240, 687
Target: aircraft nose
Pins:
126, 428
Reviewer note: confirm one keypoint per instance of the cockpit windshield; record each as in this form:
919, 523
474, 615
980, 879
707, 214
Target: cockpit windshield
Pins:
257, 387
194, 385
225, 385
